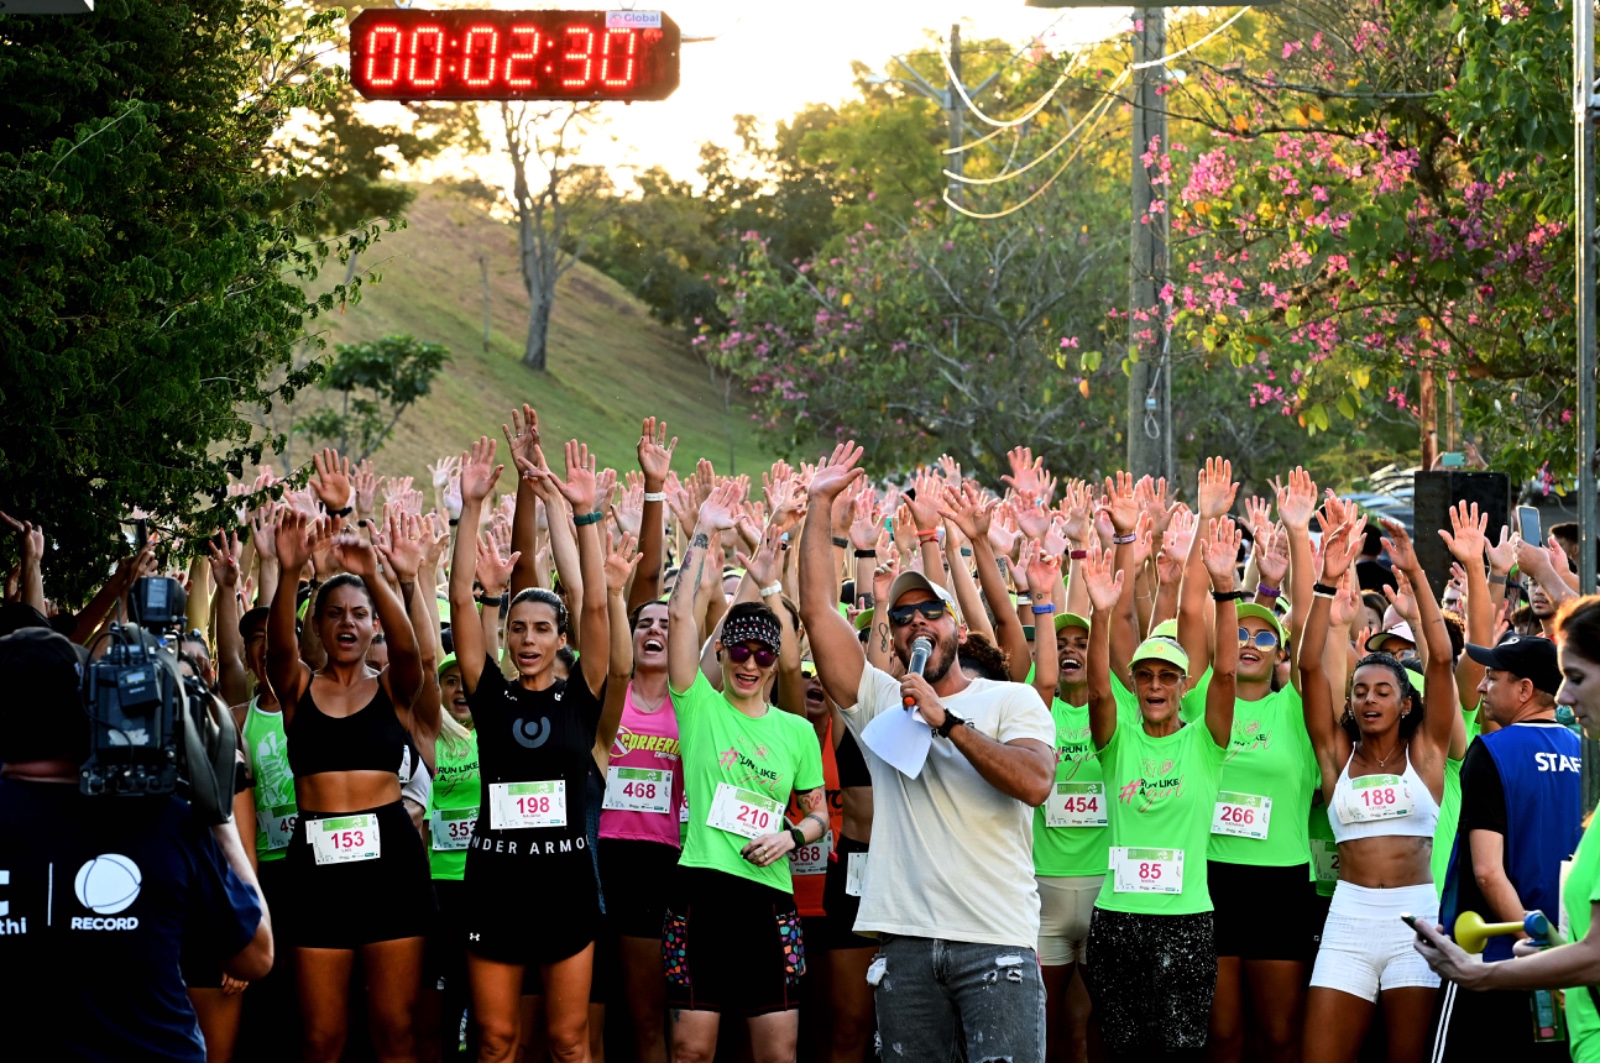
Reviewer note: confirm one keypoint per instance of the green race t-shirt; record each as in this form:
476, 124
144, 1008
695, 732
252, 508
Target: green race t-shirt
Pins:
276, 810
1270, 760
1444, 835
1192, 706
1324, 850
770, 756
1578, 892
1074, 850
453, 807
1162, 792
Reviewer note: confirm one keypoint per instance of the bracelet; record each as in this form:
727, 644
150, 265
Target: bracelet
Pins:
1320, 594
594, 516
843, 544
454, 521
1265, 591
345, 512
768, 592
1500, 581
866, 553
1124, 540
501, 599
1044, 610
1322, 590
928, 536
1229, 596
966, 551
1077, 555
655, 496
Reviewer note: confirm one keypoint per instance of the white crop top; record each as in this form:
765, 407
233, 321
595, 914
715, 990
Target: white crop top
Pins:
1382, 806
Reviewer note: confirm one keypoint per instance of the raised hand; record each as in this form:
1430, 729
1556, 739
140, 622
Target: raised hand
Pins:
435, 535
1216, 489
263, 530
1346, 603
1075, 512
297, 536
1043, 569
223, 551
353, 552
1398, 544
1297, 500
950, 469
924, 500
522, 436
332, 482
581, 488
1502, 554
441, 470
1272, 554
32, 536
720, 511
763, 565
867, 522
1122, 503
1179, 534
1056, 542
402, 546
1220, 552
1258, 517
1103, 579
787, 500
1027, 471
478, 472
494, 567
1403, 598
1468, 535
1152, 496
365, 482
629, 510
1032, 518
1339, 549
620, 562
452, 496
1143, 540
836, 474
655, 453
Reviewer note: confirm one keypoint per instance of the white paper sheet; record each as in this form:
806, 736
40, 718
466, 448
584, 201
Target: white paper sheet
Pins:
901, 737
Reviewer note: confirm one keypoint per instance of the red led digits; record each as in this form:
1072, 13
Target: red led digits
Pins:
512, 78
492, 35
586, 57
433, 78
622, 57
478, 54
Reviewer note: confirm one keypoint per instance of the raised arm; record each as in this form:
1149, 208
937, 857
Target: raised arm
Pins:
1318, 696
655, 461
31, 541
232, 676
1297, 501
295, 537
1221, 552
1044, 588
1441, 703
1104, 582
404, 675
968, 511
581, 492
1467, 540
833, 641
717, 514
620, 566
522, 444
478, 476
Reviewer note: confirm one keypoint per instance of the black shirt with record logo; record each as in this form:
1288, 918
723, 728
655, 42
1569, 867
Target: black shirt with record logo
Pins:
532, 736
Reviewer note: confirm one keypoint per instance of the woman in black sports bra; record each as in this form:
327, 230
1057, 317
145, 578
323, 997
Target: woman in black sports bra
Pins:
356, 870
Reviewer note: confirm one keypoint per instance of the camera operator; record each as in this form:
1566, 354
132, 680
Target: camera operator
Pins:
99, 896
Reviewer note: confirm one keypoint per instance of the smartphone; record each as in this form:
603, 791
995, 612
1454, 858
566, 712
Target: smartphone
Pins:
1528, 525
141, 533
1408, 920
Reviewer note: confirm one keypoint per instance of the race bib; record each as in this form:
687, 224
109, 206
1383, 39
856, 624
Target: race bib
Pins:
1374, 797
1241, 815
452, 828
639, 790
744, 812
521, 805
344, 839
811, 859
277, 824
1562, 920
1146, 870
1076, 804
1325, 859
855, 870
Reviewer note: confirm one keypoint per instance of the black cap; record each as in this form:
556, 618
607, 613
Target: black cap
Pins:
42, 717
1524, 656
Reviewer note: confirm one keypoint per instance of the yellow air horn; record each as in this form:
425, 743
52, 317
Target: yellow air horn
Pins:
1473, 934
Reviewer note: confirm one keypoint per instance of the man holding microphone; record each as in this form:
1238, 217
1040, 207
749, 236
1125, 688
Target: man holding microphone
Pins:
949, 887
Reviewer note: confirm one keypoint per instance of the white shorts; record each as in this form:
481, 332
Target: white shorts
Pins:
1065, 907
1366, 948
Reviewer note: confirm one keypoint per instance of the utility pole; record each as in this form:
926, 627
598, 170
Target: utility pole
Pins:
1583, 219
1150, 379
953, 111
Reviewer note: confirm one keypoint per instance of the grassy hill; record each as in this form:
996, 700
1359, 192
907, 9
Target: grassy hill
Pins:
610, 364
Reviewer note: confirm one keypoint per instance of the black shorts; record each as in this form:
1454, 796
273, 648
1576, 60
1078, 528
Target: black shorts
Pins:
345, 906
731, 945
1264, 913
533, 917
446, 961
636, 876
842, 908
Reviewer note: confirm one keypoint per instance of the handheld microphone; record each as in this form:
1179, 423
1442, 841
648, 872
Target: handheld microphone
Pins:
921, 650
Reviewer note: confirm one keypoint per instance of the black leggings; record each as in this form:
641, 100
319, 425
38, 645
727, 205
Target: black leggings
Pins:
1151, 978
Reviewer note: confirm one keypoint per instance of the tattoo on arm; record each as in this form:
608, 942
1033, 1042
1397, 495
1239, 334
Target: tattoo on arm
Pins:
883, 637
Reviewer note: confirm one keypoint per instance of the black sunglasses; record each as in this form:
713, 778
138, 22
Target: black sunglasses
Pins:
901, 615
740, 654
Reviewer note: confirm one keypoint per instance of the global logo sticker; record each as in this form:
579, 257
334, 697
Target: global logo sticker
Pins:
108, 884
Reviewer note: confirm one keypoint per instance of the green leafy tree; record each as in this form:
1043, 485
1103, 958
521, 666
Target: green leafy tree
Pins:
376, 383
150, 287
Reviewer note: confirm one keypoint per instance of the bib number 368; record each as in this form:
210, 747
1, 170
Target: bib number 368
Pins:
344, 839
1146, 870
744, 812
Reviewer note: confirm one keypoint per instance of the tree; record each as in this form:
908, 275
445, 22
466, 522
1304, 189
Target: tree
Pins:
545, 136
150, 289
377, 383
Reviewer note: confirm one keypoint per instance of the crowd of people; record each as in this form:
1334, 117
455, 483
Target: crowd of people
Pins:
911, 770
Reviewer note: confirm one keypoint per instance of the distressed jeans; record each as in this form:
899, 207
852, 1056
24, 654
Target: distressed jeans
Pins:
934, 996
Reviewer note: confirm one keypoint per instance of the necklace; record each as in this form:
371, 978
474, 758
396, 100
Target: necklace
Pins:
1382, 761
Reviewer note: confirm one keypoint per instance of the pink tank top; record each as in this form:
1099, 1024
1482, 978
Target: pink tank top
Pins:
644, 781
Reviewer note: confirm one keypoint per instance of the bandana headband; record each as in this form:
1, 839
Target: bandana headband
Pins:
752, 628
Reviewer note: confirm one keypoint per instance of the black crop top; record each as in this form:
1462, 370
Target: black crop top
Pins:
852, 765
370, 739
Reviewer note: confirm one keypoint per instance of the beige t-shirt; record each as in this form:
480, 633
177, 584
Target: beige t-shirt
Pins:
952, 857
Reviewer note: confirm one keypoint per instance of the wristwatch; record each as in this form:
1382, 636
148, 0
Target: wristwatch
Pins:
951, 722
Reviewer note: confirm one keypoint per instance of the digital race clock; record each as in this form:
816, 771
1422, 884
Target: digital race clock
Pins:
411, 54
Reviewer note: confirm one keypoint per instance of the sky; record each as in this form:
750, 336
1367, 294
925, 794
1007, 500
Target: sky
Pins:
770, 59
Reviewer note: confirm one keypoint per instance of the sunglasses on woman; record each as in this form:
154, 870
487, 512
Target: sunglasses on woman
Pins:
901, 615
1264, 640
740, 654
